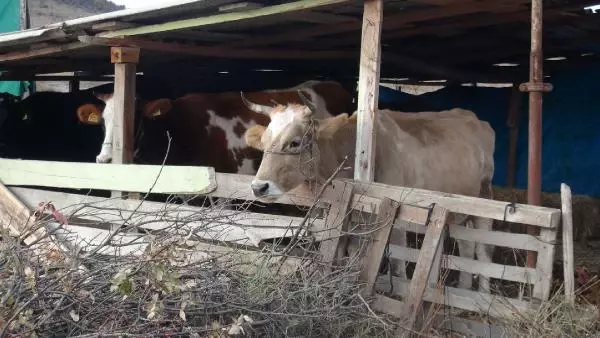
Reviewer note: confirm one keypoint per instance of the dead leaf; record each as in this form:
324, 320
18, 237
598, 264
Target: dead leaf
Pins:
74, 315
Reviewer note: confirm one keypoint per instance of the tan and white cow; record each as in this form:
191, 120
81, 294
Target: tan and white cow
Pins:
449, 151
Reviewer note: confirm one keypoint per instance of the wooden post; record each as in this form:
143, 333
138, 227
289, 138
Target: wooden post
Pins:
125, 60
24, 16
513, 125
368, 90
567, 242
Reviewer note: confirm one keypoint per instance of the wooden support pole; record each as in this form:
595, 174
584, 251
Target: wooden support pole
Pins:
125, 60
25, 21
368, 90
567, 242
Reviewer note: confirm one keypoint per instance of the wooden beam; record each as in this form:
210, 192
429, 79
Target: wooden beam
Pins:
216, 52
264, 12
324, 18
25, 22
113, 25
125, 60
34, 53
368, 91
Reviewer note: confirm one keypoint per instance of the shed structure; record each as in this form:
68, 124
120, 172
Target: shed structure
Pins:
403, 41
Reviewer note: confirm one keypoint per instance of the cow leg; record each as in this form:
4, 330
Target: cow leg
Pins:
484, 251
466, 249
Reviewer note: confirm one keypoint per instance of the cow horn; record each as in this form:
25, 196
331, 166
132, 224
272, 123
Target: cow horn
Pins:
306, 101
255, 107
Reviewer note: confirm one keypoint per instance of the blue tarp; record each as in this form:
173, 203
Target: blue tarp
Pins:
571, 128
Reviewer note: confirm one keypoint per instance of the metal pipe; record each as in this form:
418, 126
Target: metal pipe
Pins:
536, 77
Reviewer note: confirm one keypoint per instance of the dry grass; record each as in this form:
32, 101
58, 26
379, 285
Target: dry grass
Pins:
555, 318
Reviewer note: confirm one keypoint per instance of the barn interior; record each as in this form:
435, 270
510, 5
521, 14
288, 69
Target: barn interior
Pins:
479, 51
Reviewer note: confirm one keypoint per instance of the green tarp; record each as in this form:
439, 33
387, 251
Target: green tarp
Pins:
10, 22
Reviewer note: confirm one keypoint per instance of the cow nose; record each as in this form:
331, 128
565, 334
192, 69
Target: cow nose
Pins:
260, 188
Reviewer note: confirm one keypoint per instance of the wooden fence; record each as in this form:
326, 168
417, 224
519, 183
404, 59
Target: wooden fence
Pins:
344, 203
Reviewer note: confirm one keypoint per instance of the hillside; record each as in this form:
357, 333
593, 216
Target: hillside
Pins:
43, 12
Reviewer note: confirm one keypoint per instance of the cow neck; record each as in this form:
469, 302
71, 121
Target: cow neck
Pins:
333, 149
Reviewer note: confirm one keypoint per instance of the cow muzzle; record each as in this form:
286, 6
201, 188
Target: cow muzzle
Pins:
265, 189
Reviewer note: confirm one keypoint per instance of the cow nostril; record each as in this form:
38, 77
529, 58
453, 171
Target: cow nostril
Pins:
260, 188
264, 187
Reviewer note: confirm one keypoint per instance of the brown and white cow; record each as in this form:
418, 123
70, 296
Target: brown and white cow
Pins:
208, 128
449, 151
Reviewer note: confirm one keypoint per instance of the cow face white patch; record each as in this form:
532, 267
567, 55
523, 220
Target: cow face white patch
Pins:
108, 115
280, 121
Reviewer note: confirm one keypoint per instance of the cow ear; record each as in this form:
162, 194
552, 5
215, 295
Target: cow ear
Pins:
254, 135
89, 113
329, 126
157, 108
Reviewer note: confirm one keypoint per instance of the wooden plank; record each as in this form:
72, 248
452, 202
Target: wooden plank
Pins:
496, 238
432, 243
524, 213
122, 177
388, 305
124, 105
567, 242
545, 260
113, 25
264, 12
334, 223
245, 228
490, 270
367, 196
368, 91
16, 217
45, 51
218, 52
19, 220
372, 259
122, 244
493, 305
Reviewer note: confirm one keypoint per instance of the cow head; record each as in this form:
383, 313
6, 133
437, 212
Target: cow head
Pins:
292, 146
91, 113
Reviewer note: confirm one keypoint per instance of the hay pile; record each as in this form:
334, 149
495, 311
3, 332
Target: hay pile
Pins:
172, 289
586, 209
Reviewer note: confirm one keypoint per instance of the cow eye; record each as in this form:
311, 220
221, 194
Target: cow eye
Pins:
294, 144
